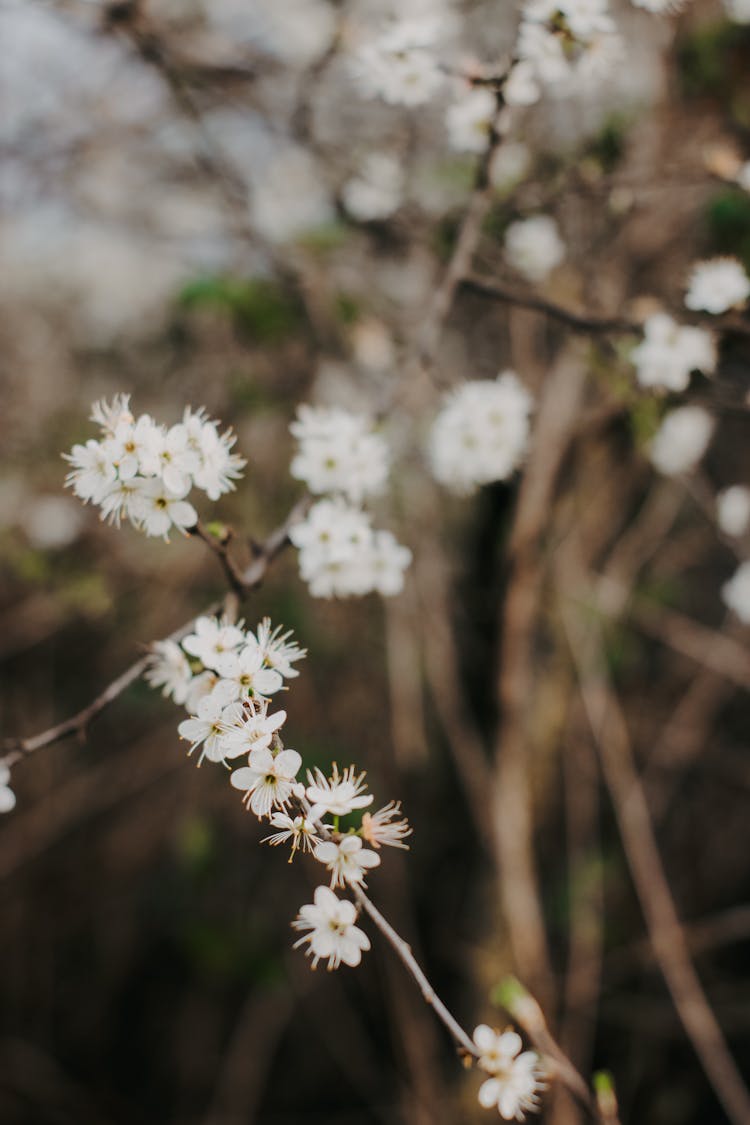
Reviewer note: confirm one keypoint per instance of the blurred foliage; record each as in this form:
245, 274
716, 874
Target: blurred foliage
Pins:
260, 308
714, 61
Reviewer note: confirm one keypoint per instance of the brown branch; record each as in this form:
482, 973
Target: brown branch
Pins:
666, 932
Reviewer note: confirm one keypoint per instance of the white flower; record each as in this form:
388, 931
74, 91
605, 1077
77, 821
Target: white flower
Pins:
157, 509
738, 10
510, 164
207, 727
111, 415
277, 650
569, 44
669, 352
7, 796
93, 473
733, 510
382, 828
717, 285
469, 121
388, 559
251, 730
481, 433
515, 1083
660, 7
521, 87
166, 453
244, 670
213, 638
681, 440
339, 452
118, 501
218, 467
347, 860
130, 444
298, 829
334, 543
534, 247
743, 176
736, 593
400, 65
338, 795
377, 189
169, 669
268, 780
201, 686
333, 935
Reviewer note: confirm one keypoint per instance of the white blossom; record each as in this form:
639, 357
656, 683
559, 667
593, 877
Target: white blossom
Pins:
738, 10
157, 509
339, 452
660, 7
376, 191
717, 285
743, 175
268, 780
681, 440
338, 795
249, 729
736, 593
300, 830
207, 728
510, 164
515, 1084
277, 650
7, 796
400, 65
534, 247
469, 120
245, 671
386, 827
93, 473
170, 670
521, 87
733, 510
213, 637
347, 860
481, 433
333, 937
569, 44
669, 352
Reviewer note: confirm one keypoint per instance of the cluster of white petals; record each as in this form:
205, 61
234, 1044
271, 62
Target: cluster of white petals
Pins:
736, 593
681, 440
568, 44
400, 64
515, 1075
7, 796
534, 247
717, 285
669, 352
339, 453
481, 433
332, 935
733, 510
470, 119
142, 471
376, 191
341, 554
737, 10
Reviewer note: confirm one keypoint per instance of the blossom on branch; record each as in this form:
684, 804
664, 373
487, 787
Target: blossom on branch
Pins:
333, 935
515, 1083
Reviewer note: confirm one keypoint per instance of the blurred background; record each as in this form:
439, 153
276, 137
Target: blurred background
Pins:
174, 225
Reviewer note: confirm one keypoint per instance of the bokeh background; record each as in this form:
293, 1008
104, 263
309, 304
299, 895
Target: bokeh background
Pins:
172, 227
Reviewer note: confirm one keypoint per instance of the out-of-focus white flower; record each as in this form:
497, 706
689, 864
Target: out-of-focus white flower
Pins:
569, 44
338, 795
52, 522
400, 65
733, 510
297, 31
669, 352
348, 861
469, 120
7, 796
515, 1084
481, 433
681, 440
268, 780
717, 285
521, 87
333, 937
736, 593
534, 247
510, 164
743, 176
212, 638
377, 189
170, 670
387, 560
288, 197
661, 7
738, 10
386, 827
299, 829
339, 452
93, 472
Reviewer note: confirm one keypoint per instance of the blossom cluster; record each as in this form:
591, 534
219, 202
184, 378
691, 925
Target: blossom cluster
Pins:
481, 433
515, 1080
225, 675
341, 554
142, 471
7, 796
567, 44
669, 352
